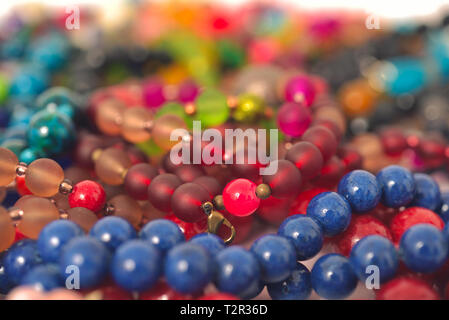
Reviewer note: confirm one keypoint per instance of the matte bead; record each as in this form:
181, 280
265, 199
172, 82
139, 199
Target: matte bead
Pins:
112, 165
286, 182
136, 265
113, 232
210, 184
297, 286
8, 231
163, 128
87, 194
306, 157
135, 126
43, 177
43, 278
323, 139
427, 194
249, 106
153, 94
331, 211
300, 89
127, 208
332, 277
161, 190
209, 241
82, 217
397, 185
293, 119
137, 180
21, 258
276, 256
186, 202
406, 288
8, 164
109, 116
211, 108
163, 234
239, 197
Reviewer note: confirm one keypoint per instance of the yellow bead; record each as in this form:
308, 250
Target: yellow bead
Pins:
249, 106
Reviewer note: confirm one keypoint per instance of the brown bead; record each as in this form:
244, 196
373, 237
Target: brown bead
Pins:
126, 208
82, 217
37, 213
163, 127
151, 213
136, 125
263, 191
43, 177
8, 164
112, 165
8, 231
109, 117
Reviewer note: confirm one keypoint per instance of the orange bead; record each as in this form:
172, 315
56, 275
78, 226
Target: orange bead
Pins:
163, 127
112, 165
43, 177
136, 124
8, 164
126, 208
82, 217
109, 117
357, 97
7, 230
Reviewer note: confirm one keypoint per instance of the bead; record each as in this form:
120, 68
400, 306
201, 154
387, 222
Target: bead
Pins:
398, 186
293, 119
163, 128
357, 97
212, 243
161, 190
211, 108
249, 106
188, 91
374, 251
276, 256
263, 191
273, 210
427, 194
188, 173
299, 205
239, 197
136, 124
127, 208
332, 277
43, 278
8, 232
54, 236
444, 208
188, 268
323, 139
210, 184
330, 174
300, 89
137, 180
219, 296
162, 291
410, 217
360, 188
163, 234
136, 265
393, 141
108, 292
43, 177
111, 166
113, 232
37, 213
8, 164
237, 270
253, 291
305, 234
306, 157
406, 288
331, 211
82, 217
286, 182
297, 286
186, 202
423, 248
87, 194
153, 94
90, 256
19, 259
109, 116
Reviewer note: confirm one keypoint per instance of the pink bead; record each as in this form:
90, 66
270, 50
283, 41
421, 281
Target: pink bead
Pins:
300, 90
239, 197
153, 94
294, 119
188, 91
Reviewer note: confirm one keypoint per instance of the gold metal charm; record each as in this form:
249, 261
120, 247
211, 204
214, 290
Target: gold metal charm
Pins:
214, 221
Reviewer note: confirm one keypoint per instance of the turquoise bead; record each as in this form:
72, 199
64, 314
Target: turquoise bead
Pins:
405, 75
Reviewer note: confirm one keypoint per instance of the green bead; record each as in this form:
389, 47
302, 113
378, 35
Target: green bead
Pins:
231, 55
211, 108
249, 107
4, 88
149, 148
174, 108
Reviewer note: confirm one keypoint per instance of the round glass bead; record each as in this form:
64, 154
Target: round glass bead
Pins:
135, 125
127, 208
82, 217
211, 108
43, 177
137, 180
8, 164
8, 231
300, 90
112, 165
239, 197
163, 128
306, 157
323, 139
293, 119
286, 181
249, 106
161, 190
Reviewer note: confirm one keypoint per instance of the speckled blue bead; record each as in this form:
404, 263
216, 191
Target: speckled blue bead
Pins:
28, 155
397, 185
50, 51
374, 251
43, 278
90, 256
21, 258
332, 212
427, 192
444, 207
252, 291
333, 277
188, 268
29, 81
209, 241
445, 232
162, 233
305, 234
136, 265
54, 237
237, 270
5, 283
296, 287
113, 231
423, 248
276, 256
361, 190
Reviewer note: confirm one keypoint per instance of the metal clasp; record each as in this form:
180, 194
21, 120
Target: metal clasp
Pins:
214, 221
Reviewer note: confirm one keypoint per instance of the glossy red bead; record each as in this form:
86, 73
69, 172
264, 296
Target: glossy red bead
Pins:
87, 194
405, 288
239, 197
137, 180
21, 187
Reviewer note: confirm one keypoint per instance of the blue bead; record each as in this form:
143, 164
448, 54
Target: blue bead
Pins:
237, 270
54, 237
113, 231
427, 193
252, 291
28, 155
136, 265
423, 248
90, 256
209, 241
188, 268
444, 208
404, 75
276, 256
162, 233
305, 234
397, 185
361, 190
21, 258
332, 212
5, 283
29, 81
43, 278
50, 51
374, 251
332, 277
296, 287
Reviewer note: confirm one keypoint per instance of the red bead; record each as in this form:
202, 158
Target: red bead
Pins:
404, 288
286, 182
186, 202
137, 180
21, 187
161, 291
432, 151
306, 157
189, 229
161, 190
87, 194
188, 173
19, 236
331, 125
330, 174
323, 139
210, 184
411, 216
299, 205
393, 141
352, 160
239, 197
360, 227
274, 210
219, 296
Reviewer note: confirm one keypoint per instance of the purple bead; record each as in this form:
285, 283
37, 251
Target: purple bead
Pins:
300, 90
294, 119
188, 91
153, 94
